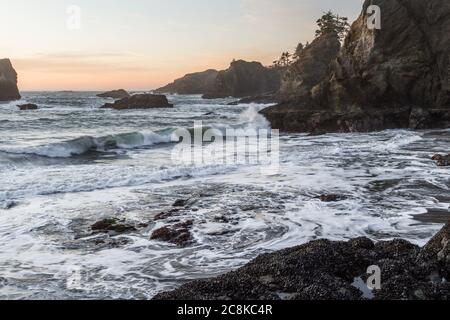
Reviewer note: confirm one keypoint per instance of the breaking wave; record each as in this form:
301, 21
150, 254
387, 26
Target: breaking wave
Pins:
85, 144
249, 120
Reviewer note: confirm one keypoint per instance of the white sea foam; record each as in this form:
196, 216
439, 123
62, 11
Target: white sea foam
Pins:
238, 213
249, 119
85, 144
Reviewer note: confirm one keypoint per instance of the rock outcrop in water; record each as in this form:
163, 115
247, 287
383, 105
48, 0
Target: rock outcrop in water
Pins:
193, 83
245, 79
115, 94
442, 160
395, 77
178, 233
8, 81
326, 270
112, 225
140, 101
28, 106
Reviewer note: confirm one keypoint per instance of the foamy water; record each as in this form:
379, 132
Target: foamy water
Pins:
70, 164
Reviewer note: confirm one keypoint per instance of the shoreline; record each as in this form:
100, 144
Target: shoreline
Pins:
327, 270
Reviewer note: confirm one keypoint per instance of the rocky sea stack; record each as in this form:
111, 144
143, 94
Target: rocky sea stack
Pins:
241, 79
193, 83
393, 77
245, 79
8, 81
115, 94
140, 101
326, 270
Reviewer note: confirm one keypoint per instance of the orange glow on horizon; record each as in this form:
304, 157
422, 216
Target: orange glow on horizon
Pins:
142, 45
50, 75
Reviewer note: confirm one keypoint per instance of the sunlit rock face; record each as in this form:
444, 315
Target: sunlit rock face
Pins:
8, 81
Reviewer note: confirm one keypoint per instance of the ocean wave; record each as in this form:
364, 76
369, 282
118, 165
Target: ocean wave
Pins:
249, 120
85, 144
398, 141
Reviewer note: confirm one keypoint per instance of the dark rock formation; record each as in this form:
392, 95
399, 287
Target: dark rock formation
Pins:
28, 106
115, 94
178, 234
441, 160
241, 79
245, 79
181, 203
311, 67
264, 99
108, 225
194, 83
331, 197
166, 214
140, 101
325, 270
396, 77
439, 249
8, 81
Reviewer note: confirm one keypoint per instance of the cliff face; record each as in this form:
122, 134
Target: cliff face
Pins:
395, 77
8, 81
404, 63
245, 79
194, 83
311, 67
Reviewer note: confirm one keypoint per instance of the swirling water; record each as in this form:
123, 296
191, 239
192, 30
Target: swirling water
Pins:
70, 164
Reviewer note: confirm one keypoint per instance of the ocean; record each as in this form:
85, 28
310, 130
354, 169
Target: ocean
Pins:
70, 164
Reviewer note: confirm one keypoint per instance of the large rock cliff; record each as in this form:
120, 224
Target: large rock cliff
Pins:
393, 77
310, 68
245, 79
193, 83
8, 81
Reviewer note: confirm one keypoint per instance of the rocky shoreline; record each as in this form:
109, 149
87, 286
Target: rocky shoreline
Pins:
327, 270
395, 77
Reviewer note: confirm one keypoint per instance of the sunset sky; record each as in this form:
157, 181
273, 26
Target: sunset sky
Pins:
143, 44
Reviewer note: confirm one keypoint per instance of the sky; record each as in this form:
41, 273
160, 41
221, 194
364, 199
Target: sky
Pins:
144, 44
